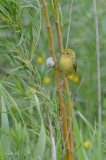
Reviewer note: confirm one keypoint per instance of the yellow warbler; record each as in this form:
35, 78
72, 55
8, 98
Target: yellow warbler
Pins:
68, 62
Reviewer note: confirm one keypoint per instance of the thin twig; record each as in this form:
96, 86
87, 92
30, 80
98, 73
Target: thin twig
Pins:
98, 64
68, 32
58, 28
79, 85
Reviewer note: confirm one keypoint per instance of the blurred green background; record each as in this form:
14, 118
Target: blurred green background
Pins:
24, 48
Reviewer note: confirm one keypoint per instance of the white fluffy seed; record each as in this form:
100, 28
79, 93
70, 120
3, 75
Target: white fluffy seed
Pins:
50, 62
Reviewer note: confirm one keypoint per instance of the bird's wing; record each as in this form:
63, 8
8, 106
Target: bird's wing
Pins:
74, 62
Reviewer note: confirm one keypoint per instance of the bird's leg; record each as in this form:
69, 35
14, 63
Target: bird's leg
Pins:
62, 82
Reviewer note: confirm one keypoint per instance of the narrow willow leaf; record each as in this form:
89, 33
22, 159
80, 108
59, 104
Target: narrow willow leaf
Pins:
40, 148
85, 120
21, 39
38, 107
78, 139
4, 128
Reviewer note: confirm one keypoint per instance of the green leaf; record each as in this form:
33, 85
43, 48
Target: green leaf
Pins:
9, 98
21, 39
78, 139
4, 128
40, 148
85, 120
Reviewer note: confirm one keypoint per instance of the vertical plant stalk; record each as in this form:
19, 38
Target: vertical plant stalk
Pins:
68, 32
61, 102
52, 140
68, 103
98, 64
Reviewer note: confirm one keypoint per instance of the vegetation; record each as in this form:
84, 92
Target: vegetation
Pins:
30, 117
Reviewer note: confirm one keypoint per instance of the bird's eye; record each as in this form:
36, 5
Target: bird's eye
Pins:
67, 53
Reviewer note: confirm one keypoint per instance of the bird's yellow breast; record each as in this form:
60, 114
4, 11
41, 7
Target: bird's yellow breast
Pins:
66, 65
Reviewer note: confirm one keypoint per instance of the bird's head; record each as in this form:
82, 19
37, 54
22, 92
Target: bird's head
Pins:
69, 53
